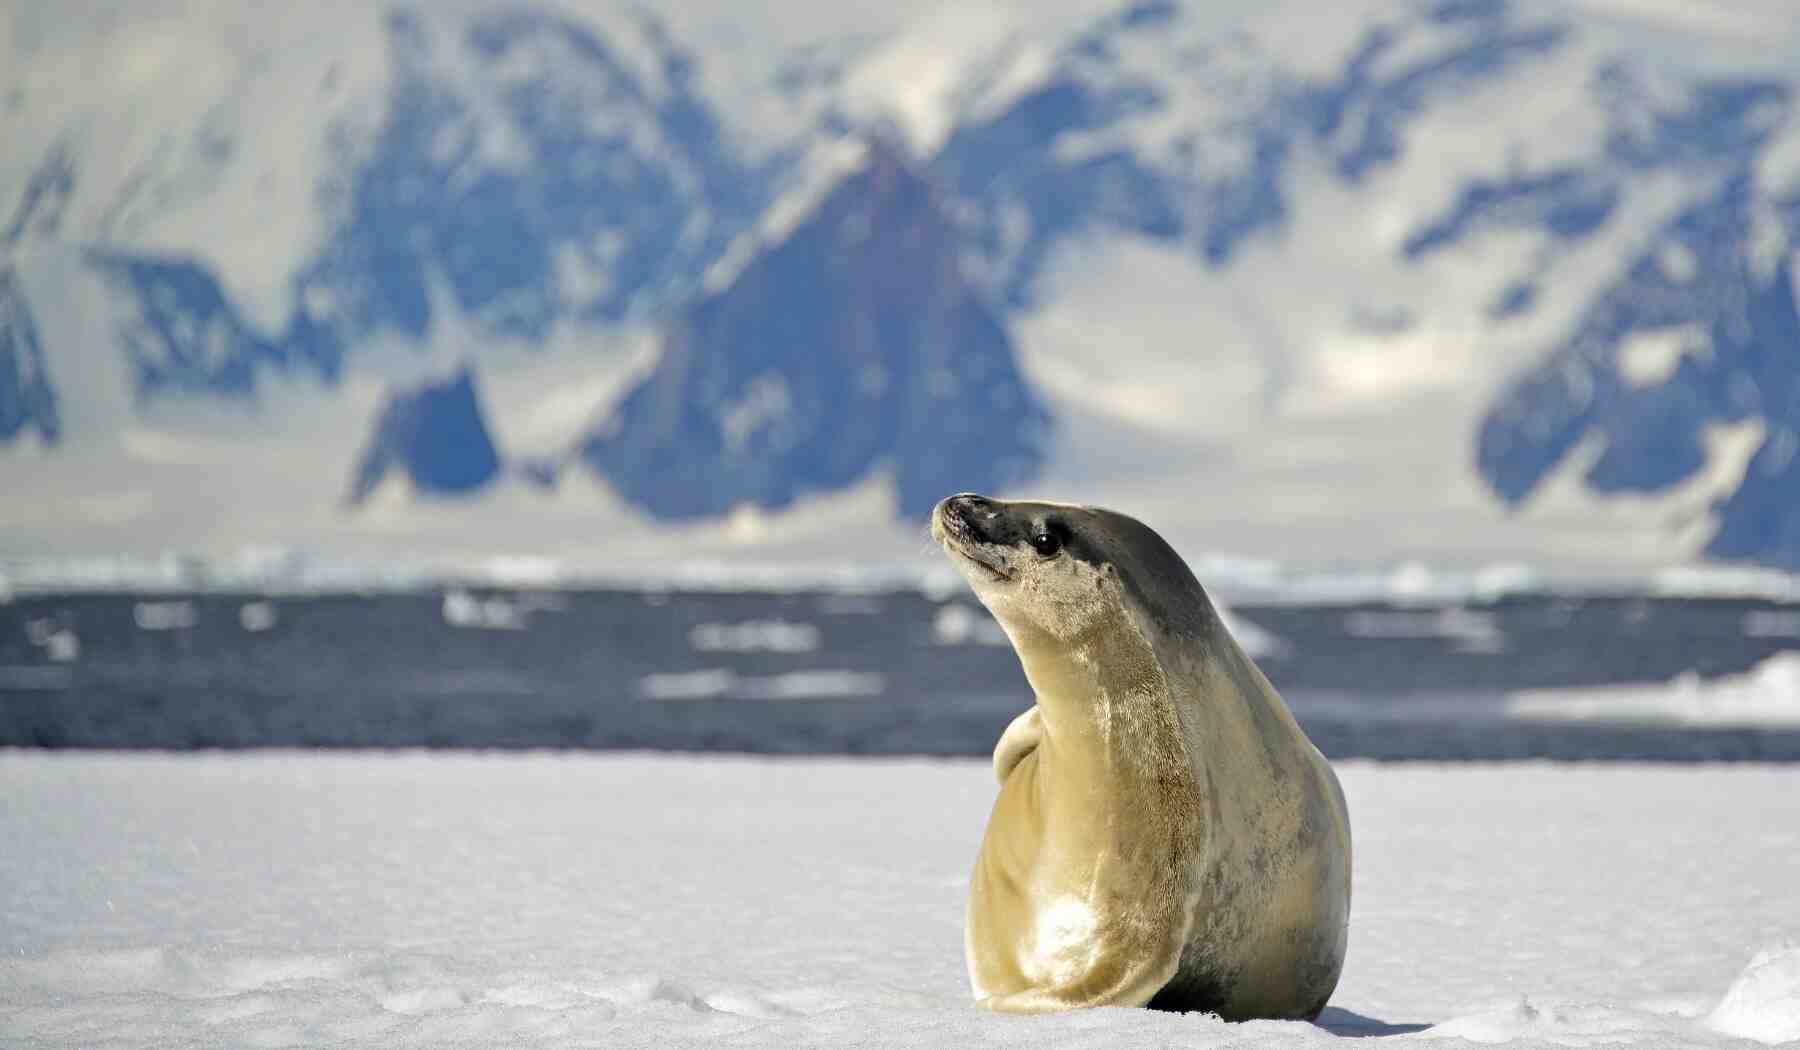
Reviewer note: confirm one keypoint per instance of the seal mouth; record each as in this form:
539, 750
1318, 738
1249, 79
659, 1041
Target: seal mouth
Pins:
952, 527
993, 570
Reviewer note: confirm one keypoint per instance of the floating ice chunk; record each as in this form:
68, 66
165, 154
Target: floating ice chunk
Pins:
63, 647
57, 639
1255, 639
752, 636
1764, 1002
725, 684
257, 617
958, 624
815, 685
687, 685
462, 609
1771, 623
1766, 695
165, 616
1473, 632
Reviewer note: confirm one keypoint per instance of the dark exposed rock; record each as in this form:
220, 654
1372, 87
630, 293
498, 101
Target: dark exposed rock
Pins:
855, 342
436, 435
27, 400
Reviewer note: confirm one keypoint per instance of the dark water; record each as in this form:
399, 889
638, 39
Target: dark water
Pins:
896, 673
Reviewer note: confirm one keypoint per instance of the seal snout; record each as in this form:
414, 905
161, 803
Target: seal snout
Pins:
962, 515
962, 524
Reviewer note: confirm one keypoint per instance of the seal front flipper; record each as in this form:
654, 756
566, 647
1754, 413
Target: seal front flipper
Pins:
1116, 974
1020, 739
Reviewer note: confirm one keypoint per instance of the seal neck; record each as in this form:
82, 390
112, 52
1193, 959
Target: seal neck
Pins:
1105, 704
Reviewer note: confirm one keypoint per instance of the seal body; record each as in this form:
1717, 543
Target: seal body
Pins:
1165, 834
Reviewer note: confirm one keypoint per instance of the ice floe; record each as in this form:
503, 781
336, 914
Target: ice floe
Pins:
754, 636
1766, 695
725, 684
256, 617
956, 623
165, 616
1466, 629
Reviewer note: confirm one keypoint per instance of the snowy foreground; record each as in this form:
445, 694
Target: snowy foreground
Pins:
640, 901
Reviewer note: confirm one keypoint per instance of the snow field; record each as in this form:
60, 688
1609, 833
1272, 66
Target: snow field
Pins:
396, 900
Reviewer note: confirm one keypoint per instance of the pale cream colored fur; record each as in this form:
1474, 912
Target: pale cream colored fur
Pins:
1161, 817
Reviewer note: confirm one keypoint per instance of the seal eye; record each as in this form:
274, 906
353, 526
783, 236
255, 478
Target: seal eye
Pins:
1046, 542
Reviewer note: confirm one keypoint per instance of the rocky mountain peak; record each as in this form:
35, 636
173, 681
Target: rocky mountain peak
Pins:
855, 342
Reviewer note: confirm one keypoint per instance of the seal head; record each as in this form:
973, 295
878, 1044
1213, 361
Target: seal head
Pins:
1055, 568
1165, 834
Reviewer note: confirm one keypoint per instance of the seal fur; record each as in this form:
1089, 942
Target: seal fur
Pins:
1165, 834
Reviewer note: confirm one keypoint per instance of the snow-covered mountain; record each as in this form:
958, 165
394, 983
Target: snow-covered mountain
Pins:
1463, 279
855, 341
1702, 330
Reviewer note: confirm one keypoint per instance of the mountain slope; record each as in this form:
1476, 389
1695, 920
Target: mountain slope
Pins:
1702, 330
1466, 279
854, 342
1152, 122
526, 173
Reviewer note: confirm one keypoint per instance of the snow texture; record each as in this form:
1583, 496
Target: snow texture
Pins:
623, 901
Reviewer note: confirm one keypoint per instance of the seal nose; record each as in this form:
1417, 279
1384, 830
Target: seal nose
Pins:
967, 510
